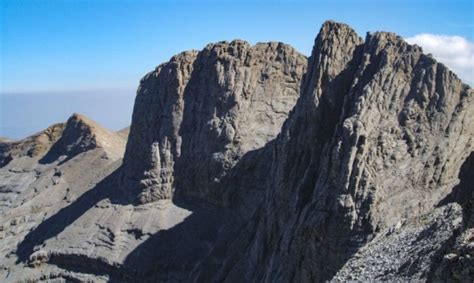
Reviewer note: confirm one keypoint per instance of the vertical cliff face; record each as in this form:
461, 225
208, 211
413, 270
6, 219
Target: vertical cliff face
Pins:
196, 116
154, 142
377, 137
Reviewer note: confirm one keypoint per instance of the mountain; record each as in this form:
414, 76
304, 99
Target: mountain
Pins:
44, 174
254, 163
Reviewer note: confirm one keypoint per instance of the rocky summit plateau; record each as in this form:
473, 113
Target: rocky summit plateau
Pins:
253, 163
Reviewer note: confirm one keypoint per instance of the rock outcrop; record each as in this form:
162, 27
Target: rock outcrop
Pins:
253, 163
196, 116
378, 136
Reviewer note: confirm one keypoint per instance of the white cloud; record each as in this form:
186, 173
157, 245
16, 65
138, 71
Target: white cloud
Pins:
456, 52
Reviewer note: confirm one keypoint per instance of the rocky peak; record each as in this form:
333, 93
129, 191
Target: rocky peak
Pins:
371, 113
198, 114
81, 134
63, 141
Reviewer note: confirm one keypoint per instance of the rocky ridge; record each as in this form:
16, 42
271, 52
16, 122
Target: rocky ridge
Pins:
371, 113
32, 146
253, 163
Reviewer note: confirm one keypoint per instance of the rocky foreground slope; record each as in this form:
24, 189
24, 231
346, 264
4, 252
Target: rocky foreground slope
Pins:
253, 163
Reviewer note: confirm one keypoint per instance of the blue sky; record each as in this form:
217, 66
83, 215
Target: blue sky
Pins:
79, 53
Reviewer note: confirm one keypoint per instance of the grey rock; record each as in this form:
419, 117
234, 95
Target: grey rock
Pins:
32, 146
197, 115
456, 260
377, 136
407, 252
58, 165
80, 135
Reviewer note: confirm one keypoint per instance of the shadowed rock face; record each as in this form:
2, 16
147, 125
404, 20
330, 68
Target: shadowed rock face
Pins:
252, 163
378, 136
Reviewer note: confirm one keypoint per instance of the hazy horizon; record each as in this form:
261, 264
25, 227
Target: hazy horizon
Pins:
111, 109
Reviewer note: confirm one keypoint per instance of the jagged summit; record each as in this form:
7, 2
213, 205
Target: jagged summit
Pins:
371, 114
331, 26
254, 163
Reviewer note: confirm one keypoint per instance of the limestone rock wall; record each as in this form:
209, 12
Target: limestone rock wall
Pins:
197, 115
378, 136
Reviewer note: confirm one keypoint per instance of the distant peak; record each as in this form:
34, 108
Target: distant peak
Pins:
80, 135
83, 120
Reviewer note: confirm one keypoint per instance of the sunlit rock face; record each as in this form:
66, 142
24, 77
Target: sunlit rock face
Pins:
196, 116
